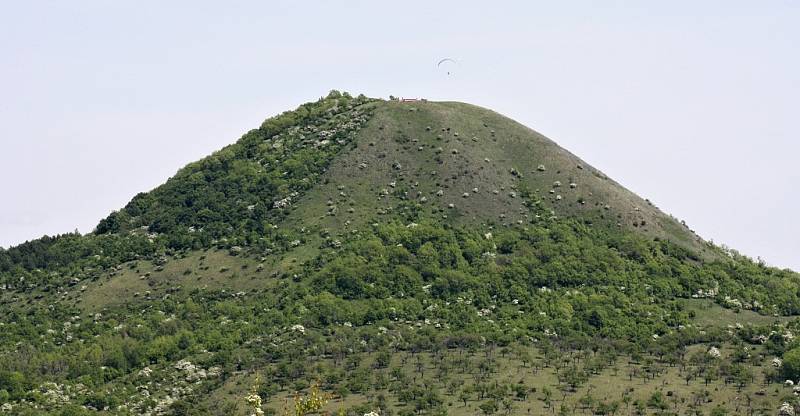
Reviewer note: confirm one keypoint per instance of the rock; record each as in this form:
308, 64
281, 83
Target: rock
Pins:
541, 168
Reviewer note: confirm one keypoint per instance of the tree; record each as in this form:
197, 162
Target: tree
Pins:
12, 382
547, 396
489, 407
464, 396
657, 401
791, 364
573, 377
520, 391
605, 408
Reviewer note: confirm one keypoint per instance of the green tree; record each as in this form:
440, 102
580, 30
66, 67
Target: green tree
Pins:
791, 364
489, 407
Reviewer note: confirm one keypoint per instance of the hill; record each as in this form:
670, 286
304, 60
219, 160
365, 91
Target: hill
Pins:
429, 257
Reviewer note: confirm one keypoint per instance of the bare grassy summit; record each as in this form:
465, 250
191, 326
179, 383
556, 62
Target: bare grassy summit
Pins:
469, 165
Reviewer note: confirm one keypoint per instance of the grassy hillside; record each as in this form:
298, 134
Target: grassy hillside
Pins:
426, 147
428, 258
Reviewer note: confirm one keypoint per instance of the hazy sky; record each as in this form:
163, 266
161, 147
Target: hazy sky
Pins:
691, 104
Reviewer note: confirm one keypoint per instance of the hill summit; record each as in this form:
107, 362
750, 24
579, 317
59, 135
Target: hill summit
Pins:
352, 235
453, 161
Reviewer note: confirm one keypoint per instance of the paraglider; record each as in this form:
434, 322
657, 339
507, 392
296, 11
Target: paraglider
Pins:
447, 64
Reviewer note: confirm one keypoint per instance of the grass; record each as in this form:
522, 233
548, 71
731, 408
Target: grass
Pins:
206, 270
708, 313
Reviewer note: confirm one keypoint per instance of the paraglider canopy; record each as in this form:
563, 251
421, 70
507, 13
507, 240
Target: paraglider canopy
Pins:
446, 64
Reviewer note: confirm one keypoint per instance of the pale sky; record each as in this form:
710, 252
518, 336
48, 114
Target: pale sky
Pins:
692, 104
